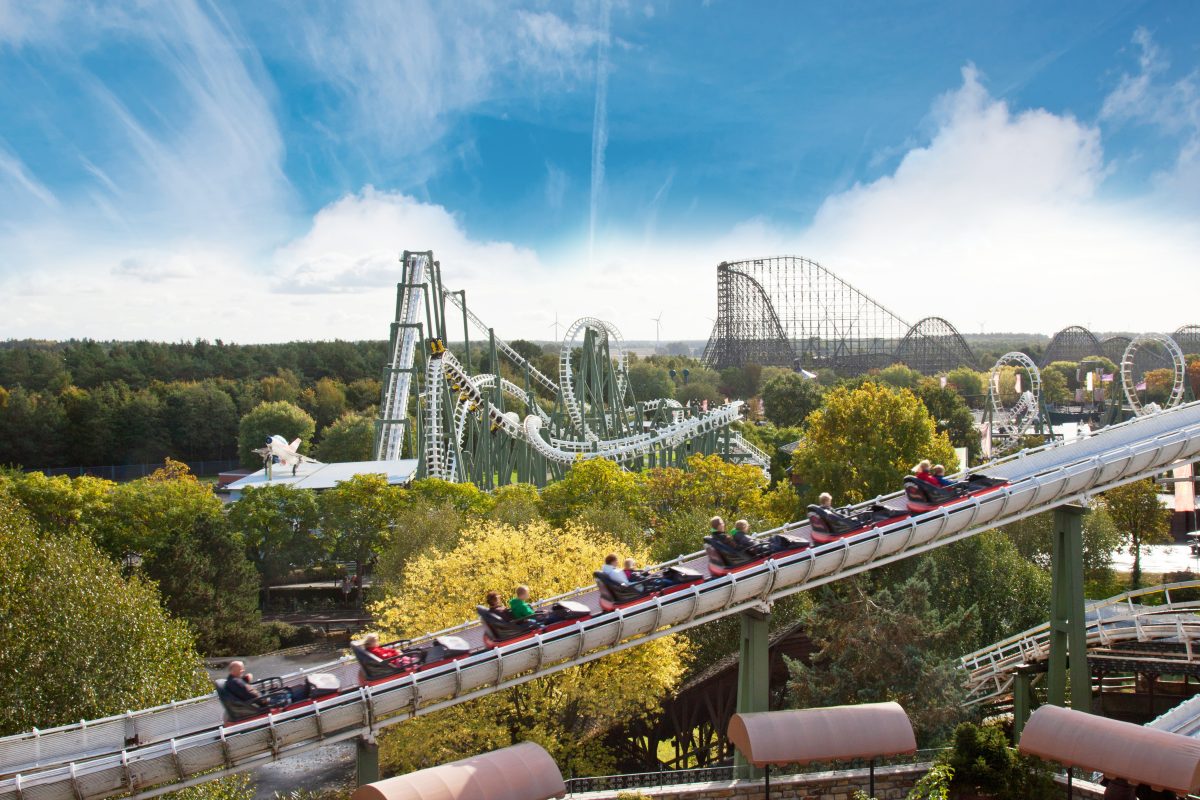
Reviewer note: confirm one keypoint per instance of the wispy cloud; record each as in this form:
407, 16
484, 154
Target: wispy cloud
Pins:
14, 173
1149, 97
405, 72
599, 127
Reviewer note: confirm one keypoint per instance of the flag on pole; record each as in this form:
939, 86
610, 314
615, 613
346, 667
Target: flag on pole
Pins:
1017, 383
943, 381
1091, 381
1141, 387
1106, 377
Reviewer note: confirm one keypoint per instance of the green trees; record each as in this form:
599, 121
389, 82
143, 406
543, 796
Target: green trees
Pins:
788, 398
276, 524
78, 640
951, 415
350, 438
890, 645
969, 384
650, 381
268, 419
202, 420
900, 376
864, 441
359, 517
205, 579
1138, 514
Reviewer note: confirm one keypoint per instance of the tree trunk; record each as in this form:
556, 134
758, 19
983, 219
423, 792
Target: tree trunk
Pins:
1135, 578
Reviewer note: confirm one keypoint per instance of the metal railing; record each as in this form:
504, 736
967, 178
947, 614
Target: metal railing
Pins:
991, 668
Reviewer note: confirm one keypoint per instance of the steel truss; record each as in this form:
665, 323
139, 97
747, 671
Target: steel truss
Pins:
1073, 344
792, 312
491, 431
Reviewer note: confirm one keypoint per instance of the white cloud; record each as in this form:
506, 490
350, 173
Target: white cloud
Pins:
405, 70
1000, 218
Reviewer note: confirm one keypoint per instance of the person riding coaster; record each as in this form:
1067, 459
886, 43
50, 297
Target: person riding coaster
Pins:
922, 496
830, 524
728, 552
396, 658
243, 697
620, 586
500, 626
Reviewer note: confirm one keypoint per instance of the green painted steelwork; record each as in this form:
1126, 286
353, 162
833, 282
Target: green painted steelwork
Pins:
366, 761
1068, 628
466, 438
754, 677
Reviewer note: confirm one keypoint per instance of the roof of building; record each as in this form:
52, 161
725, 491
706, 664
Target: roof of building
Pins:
835, 733
326, 476
522, 772
1119, 749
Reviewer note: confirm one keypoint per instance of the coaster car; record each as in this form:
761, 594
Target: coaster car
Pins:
922, 496
275, 696
831, 524
499, 626
643, 585
375, 668
724, 556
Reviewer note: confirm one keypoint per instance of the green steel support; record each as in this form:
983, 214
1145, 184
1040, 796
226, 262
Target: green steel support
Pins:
1068, 632
1022, 700
367, 760
754, 677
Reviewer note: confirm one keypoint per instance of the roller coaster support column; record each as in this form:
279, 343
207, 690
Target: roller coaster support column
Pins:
754, 676
1022, 698
367, 752
1068, 630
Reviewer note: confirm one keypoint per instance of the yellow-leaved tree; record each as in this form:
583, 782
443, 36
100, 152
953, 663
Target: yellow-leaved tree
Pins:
567, 712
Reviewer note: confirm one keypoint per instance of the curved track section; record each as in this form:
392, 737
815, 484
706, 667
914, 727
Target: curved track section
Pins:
159, 750
566, 374
1117, 619
512, 355
1010, 424
1128, 374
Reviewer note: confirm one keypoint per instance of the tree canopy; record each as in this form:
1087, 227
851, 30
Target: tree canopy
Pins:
268, 419
863, 442
1138, 513
789, 397
79, 641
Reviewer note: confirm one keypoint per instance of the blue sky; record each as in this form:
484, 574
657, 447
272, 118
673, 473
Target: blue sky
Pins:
249, 171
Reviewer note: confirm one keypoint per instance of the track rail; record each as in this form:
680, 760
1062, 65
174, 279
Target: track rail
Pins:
164, 749
1117, 619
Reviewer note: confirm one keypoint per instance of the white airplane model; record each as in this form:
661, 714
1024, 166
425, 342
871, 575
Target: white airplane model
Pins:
281, 451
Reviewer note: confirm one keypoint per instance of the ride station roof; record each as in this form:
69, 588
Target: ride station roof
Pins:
524, 771
326, 476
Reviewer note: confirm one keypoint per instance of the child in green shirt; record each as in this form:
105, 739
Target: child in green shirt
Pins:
519, 605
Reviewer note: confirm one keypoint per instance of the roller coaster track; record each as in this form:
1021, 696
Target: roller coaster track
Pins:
150, 752
406, 338
624, 449
512, 355
1117, 619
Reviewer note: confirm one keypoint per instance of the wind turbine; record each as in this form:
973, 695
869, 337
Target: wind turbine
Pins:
556, 326
657, 331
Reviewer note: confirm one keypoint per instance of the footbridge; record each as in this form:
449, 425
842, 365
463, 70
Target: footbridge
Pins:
146, 753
